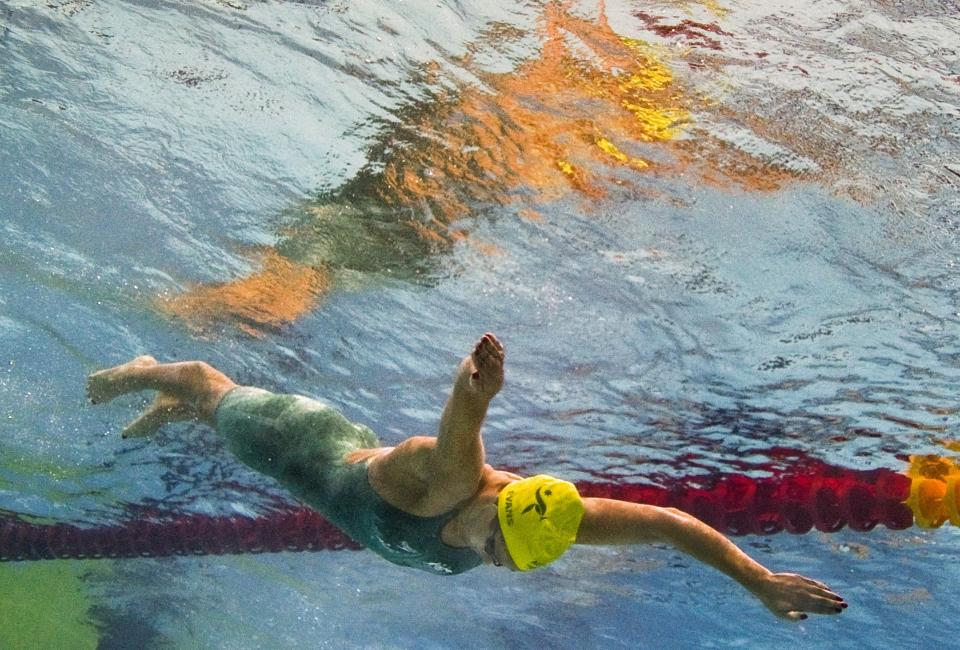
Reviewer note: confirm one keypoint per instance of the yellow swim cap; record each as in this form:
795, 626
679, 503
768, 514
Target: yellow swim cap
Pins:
539, 517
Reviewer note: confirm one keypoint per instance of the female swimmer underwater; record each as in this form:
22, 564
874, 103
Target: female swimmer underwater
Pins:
432, 503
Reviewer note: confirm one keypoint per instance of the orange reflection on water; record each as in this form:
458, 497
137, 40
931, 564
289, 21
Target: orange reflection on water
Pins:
543, 131
280, 292
594, 110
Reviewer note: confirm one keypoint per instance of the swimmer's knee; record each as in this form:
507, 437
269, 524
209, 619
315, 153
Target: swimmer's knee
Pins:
211, 385
200, 375
200, 369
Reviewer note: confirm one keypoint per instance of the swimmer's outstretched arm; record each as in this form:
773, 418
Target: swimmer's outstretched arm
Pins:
787, 595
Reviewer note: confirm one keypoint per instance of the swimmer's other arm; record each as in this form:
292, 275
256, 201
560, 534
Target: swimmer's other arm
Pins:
457, 460
787, 595
429, 476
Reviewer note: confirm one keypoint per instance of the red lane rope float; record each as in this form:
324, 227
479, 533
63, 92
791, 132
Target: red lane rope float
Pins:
300, 529
823, 497
819, 496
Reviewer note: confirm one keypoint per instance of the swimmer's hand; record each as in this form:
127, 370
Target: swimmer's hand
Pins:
481, 372
792, 597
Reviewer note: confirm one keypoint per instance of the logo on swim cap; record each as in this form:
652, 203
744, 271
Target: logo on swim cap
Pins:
540, 506
539, 517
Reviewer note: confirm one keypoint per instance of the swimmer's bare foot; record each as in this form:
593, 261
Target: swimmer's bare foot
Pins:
482, 372
103, 386
165, 409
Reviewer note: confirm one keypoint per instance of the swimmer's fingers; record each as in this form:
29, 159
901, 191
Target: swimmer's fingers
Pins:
489, 346
488, 351
805, 580
826, 594
496, 343
792, 597
823, 606
487, 358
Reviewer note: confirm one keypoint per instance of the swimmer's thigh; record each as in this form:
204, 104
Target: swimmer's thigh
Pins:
297, 440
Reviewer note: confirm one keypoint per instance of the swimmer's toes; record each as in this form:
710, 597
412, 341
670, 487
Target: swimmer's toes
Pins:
98, 390
104, 385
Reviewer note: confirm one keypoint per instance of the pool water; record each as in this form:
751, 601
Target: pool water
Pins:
707, 232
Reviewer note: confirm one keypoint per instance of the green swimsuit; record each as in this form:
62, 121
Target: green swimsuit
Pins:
303, 443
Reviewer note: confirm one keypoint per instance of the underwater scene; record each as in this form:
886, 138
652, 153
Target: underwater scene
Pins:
720, 241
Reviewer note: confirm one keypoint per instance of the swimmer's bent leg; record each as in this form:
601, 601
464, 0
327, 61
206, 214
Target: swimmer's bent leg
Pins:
187, 390
298, 441
195, 383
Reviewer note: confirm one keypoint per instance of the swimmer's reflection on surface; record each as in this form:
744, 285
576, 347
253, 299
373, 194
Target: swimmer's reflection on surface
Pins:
432, 502
591, 114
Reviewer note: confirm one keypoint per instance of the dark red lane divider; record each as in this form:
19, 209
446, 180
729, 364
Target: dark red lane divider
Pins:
819, 496
823, 497
298, 529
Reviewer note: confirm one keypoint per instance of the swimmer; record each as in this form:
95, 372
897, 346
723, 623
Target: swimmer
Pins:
432, 502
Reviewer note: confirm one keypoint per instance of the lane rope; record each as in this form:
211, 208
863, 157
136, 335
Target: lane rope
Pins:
816, 496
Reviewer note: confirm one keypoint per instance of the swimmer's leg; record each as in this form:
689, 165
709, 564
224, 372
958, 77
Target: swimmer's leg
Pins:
103, 386
164, 410
188, 390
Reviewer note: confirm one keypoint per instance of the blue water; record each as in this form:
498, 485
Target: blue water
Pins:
783, 275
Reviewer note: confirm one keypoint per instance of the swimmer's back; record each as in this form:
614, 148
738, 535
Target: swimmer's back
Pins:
304, 444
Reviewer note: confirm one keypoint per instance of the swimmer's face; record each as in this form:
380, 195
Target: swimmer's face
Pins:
495, 548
